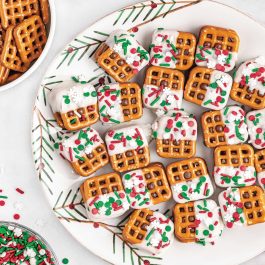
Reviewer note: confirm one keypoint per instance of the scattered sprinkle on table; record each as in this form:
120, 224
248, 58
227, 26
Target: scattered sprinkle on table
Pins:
65, 261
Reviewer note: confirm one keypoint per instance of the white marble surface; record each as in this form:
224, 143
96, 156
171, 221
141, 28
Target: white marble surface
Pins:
16, 165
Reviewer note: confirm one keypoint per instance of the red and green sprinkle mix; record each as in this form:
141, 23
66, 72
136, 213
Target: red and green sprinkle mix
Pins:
19, 246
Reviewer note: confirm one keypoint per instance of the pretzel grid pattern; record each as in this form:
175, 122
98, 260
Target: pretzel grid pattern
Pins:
186, 45
100, 185
215, 37
2, 38
15, 11
73, 121
131, 100
92, 162
10, 57
131, 159
260, 160
184, 218
195, 166
242, 94
30, 37
254, 204
113, 64
175, 149
156, 182
210, 121
170, 78
196, 87
136, 228
234, 155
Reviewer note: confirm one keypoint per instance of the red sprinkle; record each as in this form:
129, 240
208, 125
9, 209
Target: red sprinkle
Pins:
16, 216
135, 29
153, 5
96, 225
2, 203
251, 117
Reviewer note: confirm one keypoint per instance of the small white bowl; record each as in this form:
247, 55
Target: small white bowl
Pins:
47, 47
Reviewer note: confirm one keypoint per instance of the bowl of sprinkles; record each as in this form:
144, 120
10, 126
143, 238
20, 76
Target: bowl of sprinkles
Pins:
21, 245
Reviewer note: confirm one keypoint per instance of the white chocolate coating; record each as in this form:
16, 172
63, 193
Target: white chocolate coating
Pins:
256, 128
128, 138
209, 222
228, 176
163, 48
196, 189
218, 91
236, 130
128, 48
159, 235
65, 99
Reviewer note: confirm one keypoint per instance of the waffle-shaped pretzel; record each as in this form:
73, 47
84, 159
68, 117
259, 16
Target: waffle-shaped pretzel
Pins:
45, 11
242, 206
172, 49
128, 148
198, 222
234, 166
4, 72
121, 56
163, 88
149, 230
30, 37
74, 107
104, 196
147, 186
217, 48
226, 126
189, 180
256, 127
10, 57
175, 135
13, 12
208, 88
260, 167
120, 102
249, 83
85, 151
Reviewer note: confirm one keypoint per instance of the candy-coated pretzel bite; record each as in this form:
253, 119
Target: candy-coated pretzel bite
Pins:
104, 197
189, 180
176, 135
74, 107
85, 151
217, 48
121, 56
234, 166
172, 49
198, 222
249, 83
242, 206
149, 230
208, 88
163, 88
147, 186
120, 103
224, 127
128, 148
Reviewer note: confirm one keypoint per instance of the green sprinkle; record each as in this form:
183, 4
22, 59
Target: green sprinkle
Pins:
86, 94
56, 145
184, 187
207, 102
179, 124
206, 232
211, 227
65, 261
168, 228
127, 176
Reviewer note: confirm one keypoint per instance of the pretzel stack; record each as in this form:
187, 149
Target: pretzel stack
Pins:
136, 181
22, 35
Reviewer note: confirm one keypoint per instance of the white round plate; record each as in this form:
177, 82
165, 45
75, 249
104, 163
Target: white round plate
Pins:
59, 182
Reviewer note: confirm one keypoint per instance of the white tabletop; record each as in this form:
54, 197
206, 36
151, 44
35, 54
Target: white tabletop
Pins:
16, 163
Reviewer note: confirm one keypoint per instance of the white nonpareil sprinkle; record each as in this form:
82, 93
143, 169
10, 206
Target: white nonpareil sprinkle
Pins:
42, 252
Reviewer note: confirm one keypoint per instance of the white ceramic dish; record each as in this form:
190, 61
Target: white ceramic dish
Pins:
61, 184
37, 63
